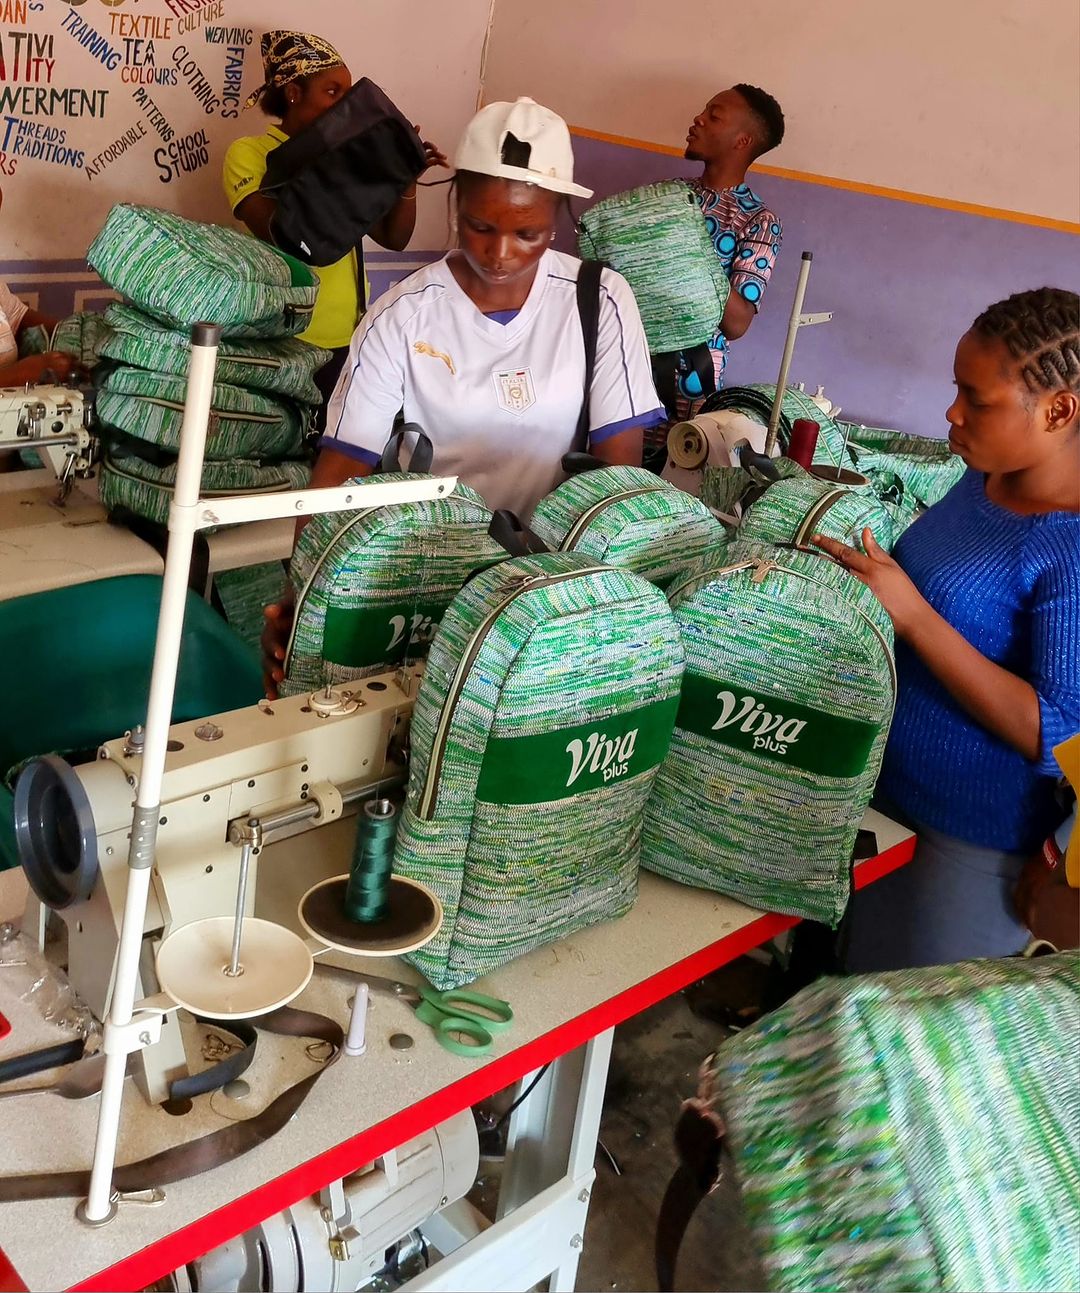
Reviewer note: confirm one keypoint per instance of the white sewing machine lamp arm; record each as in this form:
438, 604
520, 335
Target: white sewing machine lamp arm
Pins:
127, 1030
796, 320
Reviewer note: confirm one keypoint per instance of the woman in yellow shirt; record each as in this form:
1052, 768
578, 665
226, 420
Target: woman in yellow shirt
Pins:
305, 75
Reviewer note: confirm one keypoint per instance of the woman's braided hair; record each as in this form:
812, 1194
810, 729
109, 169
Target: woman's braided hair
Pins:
1041, 329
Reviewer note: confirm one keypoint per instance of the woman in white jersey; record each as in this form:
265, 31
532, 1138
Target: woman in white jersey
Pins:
484, 348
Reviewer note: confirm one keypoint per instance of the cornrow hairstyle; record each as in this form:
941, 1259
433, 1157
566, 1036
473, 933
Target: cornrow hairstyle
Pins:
768, 116
1041, 329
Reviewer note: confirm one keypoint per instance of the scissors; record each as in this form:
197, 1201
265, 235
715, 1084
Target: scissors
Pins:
453, 1016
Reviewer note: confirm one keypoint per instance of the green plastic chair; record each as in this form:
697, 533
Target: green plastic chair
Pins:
78, 662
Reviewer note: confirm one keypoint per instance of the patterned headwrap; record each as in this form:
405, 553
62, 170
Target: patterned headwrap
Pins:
289, 55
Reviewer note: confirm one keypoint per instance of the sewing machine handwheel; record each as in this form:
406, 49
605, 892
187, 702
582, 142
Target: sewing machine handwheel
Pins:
54, 829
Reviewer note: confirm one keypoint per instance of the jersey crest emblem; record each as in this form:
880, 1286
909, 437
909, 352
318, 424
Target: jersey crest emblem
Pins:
514, 389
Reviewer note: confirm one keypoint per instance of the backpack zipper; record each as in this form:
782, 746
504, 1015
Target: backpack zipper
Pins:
590, 514
252, 361
208, 493
214, 413
763, 568
315, 571
812, 518
429, 794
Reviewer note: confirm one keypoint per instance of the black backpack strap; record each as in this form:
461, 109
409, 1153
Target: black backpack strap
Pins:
422, 455
508, 532
588, 304
361, 290
574, 463
699, 1142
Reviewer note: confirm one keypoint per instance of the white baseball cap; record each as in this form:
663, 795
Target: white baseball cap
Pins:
545, 134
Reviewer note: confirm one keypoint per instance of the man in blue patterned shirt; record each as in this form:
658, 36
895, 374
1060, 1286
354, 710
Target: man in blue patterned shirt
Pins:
733, 129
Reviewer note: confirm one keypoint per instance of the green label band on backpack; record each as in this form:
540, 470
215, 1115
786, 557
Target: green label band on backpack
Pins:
775, 728
556, 765
357, 636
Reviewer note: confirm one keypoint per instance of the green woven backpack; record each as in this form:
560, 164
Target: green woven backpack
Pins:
80, 335
785, 708
626, 516
371, 586
183, 272
129, 481
655, 237
243, 424
925, 467
799, 505
916, 1130
545, 708
283, 365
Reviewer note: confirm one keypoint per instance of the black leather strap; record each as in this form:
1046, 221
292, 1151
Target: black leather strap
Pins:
217, 1147
508, 531
574, 463
423, 453
226, 1070
50, 1057
588, 304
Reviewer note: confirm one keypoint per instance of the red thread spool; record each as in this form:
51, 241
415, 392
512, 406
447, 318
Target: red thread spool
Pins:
804, 434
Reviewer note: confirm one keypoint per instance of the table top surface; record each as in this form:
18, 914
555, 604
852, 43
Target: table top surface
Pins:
562, 996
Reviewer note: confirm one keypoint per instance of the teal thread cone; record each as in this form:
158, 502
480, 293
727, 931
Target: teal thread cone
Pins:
367, 896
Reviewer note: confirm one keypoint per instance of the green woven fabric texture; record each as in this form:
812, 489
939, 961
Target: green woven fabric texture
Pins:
786, 705
925, 466
629, 517
799, 505
284, 365
183, 273
243, 424
551, 688
128, 481
79, 335
655, 236
244, 593
917, 1130
372, 585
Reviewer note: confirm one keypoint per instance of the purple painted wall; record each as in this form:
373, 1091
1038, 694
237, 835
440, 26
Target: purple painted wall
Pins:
904, 282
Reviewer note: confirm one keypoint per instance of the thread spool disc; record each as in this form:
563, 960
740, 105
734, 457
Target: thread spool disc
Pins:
414, 918
840, 476
192, 965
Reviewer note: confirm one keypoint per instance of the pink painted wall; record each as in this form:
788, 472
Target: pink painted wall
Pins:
973, 100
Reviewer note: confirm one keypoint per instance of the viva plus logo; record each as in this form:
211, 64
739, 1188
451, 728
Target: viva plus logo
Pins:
771, 732
420, 628
601, 755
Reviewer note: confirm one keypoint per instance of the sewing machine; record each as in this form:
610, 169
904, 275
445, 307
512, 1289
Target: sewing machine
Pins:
284, 777
53, 529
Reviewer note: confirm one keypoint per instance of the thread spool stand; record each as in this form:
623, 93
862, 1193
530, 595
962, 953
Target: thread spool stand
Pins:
370, 911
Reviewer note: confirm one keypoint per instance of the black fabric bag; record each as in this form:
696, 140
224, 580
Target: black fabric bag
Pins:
341, 175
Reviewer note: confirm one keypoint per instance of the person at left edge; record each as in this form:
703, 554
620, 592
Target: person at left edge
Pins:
305, 76
484, 348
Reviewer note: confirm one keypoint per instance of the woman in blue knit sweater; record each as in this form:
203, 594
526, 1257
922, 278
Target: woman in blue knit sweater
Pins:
984, 595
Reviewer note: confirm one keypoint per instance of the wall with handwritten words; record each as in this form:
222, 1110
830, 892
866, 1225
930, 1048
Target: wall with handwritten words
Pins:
105, 101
